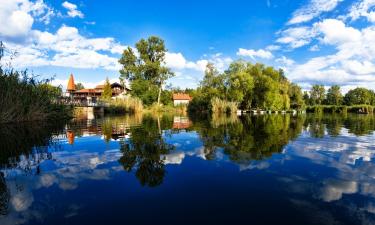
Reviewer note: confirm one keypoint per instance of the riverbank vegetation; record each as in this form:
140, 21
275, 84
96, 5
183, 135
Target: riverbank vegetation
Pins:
23, 98
124, 105
247, 86
358, 100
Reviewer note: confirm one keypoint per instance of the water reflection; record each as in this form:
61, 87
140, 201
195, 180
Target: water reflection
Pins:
322, 164
144, 151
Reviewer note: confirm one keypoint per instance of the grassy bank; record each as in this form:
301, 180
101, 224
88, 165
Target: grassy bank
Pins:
362, 109
23, 98
121, 106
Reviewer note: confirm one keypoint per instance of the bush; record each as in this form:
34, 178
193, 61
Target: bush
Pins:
222, 106
126, 105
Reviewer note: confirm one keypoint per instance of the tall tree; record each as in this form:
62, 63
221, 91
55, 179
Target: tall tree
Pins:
359, 96
107, 91
317, 94
79, 86
148, 64
296, 97
334, 96
240, 84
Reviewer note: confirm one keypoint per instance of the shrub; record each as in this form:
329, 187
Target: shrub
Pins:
126, 105
222, 106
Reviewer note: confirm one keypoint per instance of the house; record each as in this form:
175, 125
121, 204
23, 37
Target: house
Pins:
181, 99
90, 95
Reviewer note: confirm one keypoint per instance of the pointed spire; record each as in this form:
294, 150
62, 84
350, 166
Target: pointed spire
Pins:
71, 86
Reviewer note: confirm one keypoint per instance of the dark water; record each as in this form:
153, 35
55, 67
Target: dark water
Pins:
278, 169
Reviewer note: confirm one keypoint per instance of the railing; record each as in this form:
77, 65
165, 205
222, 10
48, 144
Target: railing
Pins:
81, 103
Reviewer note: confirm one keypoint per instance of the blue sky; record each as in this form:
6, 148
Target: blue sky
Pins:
314, 41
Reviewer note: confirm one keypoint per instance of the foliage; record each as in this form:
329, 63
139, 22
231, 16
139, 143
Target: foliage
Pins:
128, 104
221, 106
249, 86
334, 96
146, 70
317, 94
23, 98
79, 86
296, 97
359, 96
107, 91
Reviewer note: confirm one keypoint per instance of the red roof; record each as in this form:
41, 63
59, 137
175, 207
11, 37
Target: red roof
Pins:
88, 91
181, 96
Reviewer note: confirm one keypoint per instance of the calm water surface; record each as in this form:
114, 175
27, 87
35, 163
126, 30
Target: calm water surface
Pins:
273, 169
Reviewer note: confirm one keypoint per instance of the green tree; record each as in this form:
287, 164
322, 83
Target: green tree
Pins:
240, 84
317, 94
306, 98
334, 96
359, 96
296, 97
148, 64
79, 86
107, 91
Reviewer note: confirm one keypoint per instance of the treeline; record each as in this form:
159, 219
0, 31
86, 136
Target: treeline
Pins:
360, 100
248, 86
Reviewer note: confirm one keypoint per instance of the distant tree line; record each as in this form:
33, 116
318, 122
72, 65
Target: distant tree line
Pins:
333, 96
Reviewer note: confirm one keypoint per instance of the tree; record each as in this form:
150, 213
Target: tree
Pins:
317, 94
359, 96
148, 64
334, 96
107, 91
296, 97
79, 86
240, 84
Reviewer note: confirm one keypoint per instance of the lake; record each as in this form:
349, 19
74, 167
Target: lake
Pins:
266, 169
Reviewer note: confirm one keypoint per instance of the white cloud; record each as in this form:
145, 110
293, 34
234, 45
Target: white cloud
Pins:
352, 64
335, 32
285, 61
362, 9
296, 37
72, 10
255, 53
18, 16
177, 61
312, 10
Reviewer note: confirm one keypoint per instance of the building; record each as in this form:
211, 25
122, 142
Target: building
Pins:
91, 95
181, 99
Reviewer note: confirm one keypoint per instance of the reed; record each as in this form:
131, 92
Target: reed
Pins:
126, 105
23, 98
221, 106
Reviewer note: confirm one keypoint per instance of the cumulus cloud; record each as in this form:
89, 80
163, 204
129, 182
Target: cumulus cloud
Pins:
312, 10
296, 37
353, 62
18, 16
72, 10
264, 54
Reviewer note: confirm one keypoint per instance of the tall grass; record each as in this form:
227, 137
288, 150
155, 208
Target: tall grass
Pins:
222, 106
126, 105
23, 98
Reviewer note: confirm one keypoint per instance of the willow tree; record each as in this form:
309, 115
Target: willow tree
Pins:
145, 66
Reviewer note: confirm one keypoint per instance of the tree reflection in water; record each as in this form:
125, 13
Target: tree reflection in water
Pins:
249, 138
144, 150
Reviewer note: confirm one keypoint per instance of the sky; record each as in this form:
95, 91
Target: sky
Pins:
324, 42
